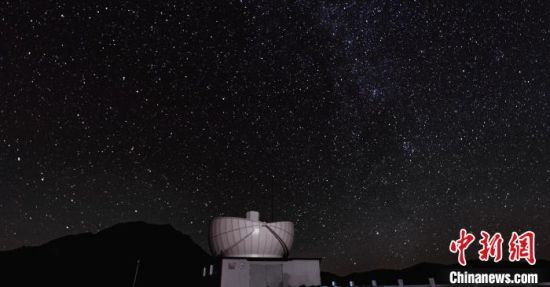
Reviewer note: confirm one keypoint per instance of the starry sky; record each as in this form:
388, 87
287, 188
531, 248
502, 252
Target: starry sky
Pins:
380, 128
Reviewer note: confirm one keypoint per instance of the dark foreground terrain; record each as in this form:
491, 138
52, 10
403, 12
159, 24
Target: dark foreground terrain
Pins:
419, 273
108, 258
170, 258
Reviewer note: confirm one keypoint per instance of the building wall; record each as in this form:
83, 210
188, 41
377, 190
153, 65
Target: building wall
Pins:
236, 272
302, 272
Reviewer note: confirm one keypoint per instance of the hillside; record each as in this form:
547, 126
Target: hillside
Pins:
108, 258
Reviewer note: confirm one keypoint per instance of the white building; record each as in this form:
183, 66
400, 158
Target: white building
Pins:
252, 253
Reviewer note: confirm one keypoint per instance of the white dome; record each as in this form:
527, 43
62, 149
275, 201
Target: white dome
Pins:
249, 237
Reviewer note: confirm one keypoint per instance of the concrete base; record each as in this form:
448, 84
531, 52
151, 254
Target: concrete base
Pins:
263, 272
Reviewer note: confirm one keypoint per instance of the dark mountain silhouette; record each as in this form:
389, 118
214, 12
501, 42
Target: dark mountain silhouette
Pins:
419, 273
170, 258
108, 258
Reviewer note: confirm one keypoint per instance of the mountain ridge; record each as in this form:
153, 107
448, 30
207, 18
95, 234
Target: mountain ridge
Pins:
170, 258
108, 258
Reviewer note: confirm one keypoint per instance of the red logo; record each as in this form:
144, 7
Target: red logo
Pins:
491, 247
461, 245
520, 246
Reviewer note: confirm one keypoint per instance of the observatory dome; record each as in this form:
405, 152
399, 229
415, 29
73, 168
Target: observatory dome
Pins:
250, 237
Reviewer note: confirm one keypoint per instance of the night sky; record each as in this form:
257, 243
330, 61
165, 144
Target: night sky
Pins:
380, 128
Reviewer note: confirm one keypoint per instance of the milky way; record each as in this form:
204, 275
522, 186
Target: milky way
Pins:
379, 128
